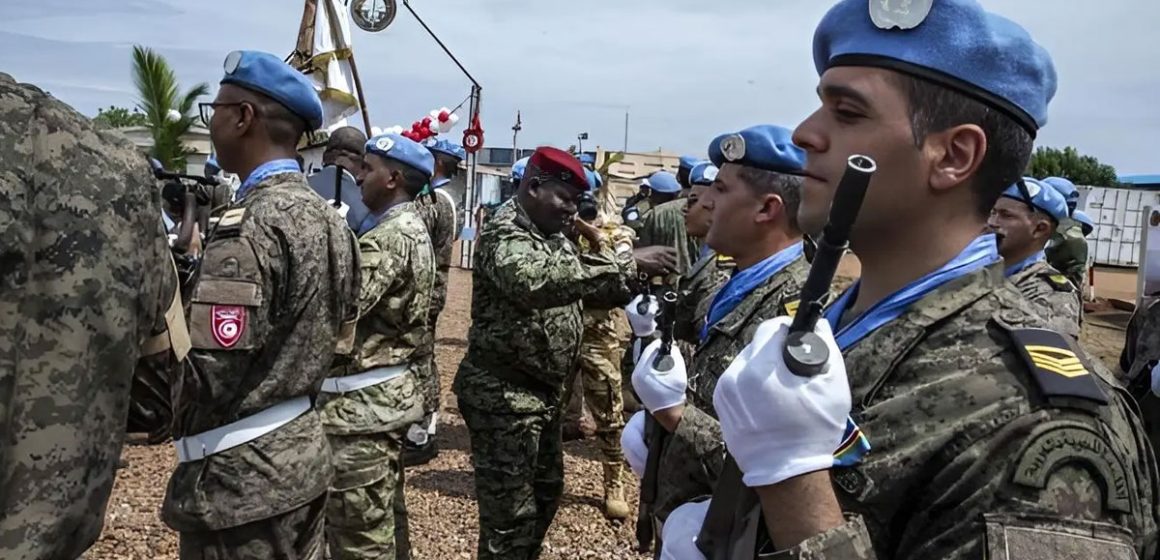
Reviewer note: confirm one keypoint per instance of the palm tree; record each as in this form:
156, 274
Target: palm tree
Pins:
169, 113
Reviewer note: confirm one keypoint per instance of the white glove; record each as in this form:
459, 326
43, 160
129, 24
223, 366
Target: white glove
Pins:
679, 534
633, 444
778, 425
637, 347
643, 324
660, 390
1156, 380
343, 209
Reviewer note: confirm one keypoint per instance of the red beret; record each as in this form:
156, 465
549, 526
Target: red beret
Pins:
558, 164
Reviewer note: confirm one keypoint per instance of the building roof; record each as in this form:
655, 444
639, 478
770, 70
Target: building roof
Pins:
1142, 179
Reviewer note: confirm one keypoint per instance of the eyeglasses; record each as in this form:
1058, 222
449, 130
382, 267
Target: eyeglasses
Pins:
206, 110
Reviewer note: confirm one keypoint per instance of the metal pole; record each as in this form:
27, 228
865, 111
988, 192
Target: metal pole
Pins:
626, 131
407, 4
362, 101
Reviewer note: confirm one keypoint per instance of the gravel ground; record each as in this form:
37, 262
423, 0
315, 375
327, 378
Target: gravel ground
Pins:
440, 495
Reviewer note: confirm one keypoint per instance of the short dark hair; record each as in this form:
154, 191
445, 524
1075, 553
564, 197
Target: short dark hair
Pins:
447, 164
283, 127
347, 138
934, 108
413, 179
788, 187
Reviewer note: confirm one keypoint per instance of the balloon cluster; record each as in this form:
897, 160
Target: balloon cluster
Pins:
439, 121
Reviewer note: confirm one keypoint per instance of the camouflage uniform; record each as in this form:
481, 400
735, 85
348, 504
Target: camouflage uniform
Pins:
288, 262
438, 212
979, 455
1067, 252
696, 291
366, 427
1142, 353
523, 345
664, 225
86, 280
692, 457
601, 348
1052, 296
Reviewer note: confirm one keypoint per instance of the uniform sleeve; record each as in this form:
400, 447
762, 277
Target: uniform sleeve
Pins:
694, 457
379, 271
1053, 480
545, 278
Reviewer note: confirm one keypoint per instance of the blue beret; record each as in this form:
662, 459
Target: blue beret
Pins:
764, 146
446, 147
212, 164
664, 182
518, 169
687, 163
958, 45
267, 74
594, 180
1043, 198
1066, 189
1085, 223
703, 173
587, 159
402, 150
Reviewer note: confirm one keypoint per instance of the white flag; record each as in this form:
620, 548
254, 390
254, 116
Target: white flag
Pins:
323, 54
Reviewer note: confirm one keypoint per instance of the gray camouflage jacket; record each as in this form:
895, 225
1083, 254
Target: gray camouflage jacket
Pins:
1052, 295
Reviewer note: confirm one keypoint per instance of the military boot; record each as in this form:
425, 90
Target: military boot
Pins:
614, 505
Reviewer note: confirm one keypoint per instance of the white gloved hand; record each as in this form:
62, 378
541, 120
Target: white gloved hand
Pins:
343, 209
1156, 380
643, 324
778, 425
679, 534
633, 444
660, 390
637, 347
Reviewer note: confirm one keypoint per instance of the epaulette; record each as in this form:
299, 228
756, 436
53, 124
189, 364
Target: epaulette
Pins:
1061, 375
725, 261
230, 223
1059, 282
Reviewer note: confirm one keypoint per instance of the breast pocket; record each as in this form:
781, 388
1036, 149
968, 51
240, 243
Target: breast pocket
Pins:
225, 310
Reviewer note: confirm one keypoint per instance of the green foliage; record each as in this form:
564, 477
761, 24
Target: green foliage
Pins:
159, 94
119, 117
1068, 163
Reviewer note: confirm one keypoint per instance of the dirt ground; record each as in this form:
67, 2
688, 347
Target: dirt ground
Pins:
440, 495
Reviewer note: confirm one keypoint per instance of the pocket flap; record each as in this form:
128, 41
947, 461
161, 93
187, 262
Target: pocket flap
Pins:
228, 292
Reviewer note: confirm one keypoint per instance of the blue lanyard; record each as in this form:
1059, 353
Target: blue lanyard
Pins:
1023, 264
744, 282
373, 219
978, 254
265, 171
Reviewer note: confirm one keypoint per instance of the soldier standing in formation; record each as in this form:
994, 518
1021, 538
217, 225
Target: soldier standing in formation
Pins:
84, 301
1023, 227
1067, 250
524, 343
278, 280
368, 405
343, 155
664, 224
711, 269
437, 207
992, 437
755, 200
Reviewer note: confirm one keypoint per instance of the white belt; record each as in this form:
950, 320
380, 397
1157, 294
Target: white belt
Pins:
250, 428
362, 380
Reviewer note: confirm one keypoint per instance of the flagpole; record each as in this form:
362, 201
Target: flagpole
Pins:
362, 102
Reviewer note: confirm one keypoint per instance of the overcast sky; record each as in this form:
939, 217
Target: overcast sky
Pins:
685, 70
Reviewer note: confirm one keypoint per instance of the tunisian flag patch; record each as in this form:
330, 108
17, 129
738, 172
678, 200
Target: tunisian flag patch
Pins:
228, 322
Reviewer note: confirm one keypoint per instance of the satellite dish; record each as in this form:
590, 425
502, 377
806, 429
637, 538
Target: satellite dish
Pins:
373, 15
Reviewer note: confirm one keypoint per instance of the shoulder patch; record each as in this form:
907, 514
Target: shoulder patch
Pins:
791, 307
725, 261
1056, 368
1059, 282
1059, 443
230, 223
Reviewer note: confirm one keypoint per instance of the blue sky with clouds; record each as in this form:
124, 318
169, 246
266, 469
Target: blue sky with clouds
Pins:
685, 70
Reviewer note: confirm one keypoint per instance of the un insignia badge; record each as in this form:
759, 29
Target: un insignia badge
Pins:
711, 174
733, 147
384, 144
903, 14
232, 61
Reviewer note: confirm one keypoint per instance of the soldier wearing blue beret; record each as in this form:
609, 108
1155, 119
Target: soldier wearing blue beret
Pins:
974, 409
1067, 250
278, 283
440, 213
369, 405
710, 270
754, 202
684, 166
1023, 219
664, 222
